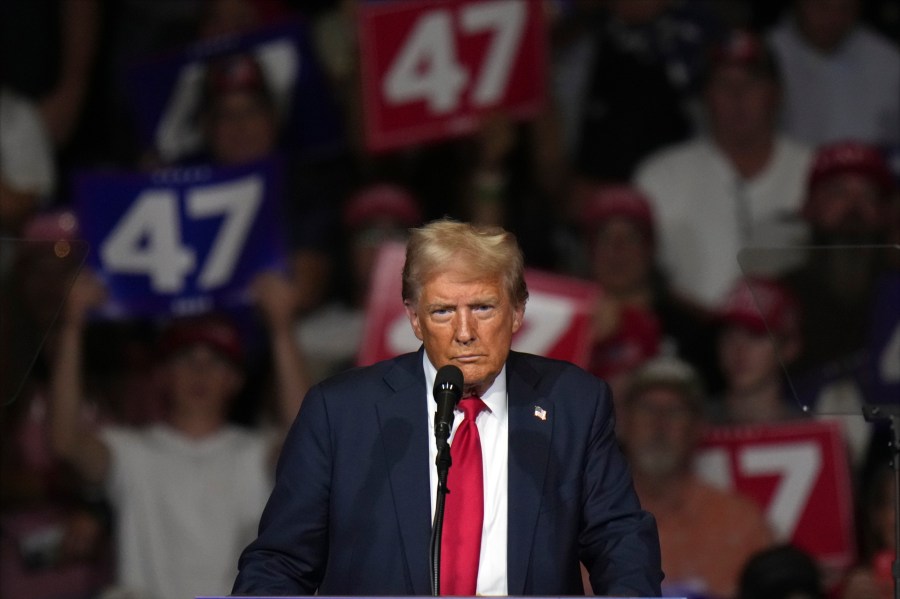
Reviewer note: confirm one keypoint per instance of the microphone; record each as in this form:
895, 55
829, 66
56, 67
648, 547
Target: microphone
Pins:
448, 388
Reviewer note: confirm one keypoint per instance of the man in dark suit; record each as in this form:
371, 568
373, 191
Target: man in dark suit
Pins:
351, 512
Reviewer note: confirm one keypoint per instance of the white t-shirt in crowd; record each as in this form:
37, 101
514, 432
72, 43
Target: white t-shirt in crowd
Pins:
185, 508
851, 93
706, 212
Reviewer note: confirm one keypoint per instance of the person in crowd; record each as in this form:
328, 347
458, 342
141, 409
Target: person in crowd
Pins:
872, 577
841, 78
849, 197
372, 217
537, 456
186, 491
241, 123
638, 315
706, 534
759, 334
624, 77
736, 186
781, 572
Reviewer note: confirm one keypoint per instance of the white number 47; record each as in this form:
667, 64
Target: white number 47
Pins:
426, 67
147, 240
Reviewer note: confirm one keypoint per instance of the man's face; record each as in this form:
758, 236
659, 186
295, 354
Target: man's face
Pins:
622, 256
749, 360
742, 105
660, 431
201, 379
242, 128
847, 204
825, 23
468, 322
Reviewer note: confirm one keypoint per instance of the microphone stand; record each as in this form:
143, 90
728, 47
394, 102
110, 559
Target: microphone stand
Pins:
448, 387
892, 415
443, 463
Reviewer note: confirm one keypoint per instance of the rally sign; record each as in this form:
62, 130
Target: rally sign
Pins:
798, 474
430, 70
557, 317
182, 240
166, 92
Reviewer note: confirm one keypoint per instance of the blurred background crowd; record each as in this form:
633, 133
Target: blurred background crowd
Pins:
672, 134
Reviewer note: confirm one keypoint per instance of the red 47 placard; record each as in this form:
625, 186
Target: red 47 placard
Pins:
431, 68
798, 473
557, 317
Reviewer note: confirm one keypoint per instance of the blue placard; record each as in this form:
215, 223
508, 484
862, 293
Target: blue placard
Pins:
181, 241
165, 92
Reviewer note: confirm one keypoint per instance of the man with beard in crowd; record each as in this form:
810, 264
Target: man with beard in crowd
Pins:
705, 534
847, 208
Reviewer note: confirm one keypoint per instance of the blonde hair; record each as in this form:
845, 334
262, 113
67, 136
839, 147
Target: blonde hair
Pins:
487, 252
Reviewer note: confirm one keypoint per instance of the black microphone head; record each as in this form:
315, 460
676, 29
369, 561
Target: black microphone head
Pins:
449, 378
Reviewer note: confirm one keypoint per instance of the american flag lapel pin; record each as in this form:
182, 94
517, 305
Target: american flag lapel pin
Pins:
540, 413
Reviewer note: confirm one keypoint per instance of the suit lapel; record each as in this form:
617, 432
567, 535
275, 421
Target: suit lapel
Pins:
401, 419
529, 447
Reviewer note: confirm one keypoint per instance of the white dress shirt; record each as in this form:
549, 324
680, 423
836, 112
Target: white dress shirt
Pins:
493, 429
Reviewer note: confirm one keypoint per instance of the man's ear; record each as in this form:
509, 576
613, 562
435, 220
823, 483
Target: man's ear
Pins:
413, 319
518, 317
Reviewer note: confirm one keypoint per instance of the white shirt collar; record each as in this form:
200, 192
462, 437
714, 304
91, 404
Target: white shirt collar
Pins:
494, 397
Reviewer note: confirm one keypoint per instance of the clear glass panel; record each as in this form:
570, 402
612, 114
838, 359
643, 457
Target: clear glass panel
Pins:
849, 360
35, 278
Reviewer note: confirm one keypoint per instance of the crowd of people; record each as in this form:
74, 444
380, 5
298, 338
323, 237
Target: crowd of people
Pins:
674, 137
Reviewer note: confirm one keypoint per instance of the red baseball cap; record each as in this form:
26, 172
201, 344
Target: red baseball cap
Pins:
235, 73
851, 157
760, 304
382, 201
746, 49
216, 331
608, 201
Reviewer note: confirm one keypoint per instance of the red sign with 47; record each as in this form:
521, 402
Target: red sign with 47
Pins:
431, 69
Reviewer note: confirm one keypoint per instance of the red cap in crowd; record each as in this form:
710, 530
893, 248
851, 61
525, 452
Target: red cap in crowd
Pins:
382, 201
745, 49
213, 330
851, 157
761, 304
608, 201
235, 73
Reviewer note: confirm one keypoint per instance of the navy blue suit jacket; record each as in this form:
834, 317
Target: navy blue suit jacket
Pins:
350, 513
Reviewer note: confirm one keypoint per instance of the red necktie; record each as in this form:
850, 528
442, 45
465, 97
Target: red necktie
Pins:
464, 510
